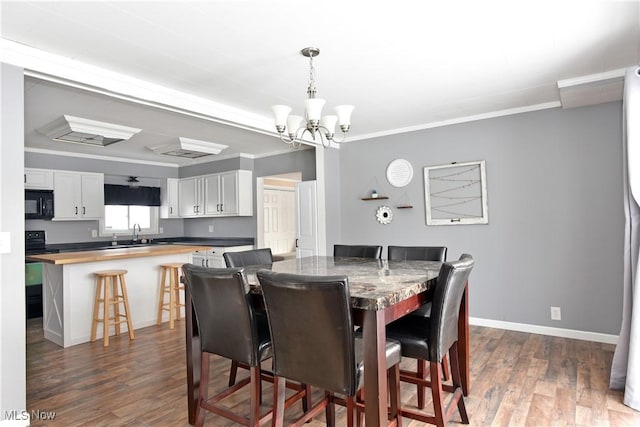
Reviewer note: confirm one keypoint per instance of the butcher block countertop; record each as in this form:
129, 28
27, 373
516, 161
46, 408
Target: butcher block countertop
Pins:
111, 254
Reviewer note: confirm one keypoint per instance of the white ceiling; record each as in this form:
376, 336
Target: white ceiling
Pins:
405, 65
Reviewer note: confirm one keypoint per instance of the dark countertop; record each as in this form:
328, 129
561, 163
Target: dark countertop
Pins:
194, 241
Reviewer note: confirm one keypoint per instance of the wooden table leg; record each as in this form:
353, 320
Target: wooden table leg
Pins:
463, 340
375, 370
193, 358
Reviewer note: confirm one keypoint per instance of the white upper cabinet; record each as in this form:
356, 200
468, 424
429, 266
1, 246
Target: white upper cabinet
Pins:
220, 194
190, 197
38, 179
78, 195
169, 199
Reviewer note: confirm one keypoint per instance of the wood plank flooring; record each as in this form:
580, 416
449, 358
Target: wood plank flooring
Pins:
518, 379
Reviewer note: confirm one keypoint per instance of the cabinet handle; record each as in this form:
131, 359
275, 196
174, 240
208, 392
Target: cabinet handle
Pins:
84, 210
76, 210
218, 207
202, 262
170, 210
221, 207
296, 243
25, 178
207, 263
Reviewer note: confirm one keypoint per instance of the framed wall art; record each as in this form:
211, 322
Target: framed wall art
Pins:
456, 193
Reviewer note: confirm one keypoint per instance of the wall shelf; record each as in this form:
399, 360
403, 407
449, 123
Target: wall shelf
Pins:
375, 198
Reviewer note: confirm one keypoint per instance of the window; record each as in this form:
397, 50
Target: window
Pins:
120, 219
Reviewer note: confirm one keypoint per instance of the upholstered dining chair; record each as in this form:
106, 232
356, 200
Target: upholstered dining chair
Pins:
358, 251
314, 343
229, 328
431, 338
250, 257
421, 253
243, 259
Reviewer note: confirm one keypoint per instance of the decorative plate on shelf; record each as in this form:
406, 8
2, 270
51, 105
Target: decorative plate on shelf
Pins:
399, 172
384, 215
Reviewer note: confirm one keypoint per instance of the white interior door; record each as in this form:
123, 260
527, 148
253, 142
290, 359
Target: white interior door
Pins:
279, 220
307, 220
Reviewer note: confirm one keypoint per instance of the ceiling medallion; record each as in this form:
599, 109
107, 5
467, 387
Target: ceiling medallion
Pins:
384, 215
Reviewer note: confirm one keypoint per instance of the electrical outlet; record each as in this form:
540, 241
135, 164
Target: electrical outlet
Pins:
94, 233
161, 230
556, 313
211, 229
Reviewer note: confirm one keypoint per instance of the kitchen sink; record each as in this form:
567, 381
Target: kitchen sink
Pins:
133, 245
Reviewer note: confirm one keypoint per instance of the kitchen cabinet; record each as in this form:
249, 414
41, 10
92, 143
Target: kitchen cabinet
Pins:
229, 194
169, 199
190, 197
213, 258
78, 195
38, 179
220, 194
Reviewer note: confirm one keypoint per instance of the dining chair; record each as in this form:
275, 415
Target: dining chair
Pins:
358, 251
250, 257
314, 343
421, 253
243, 259
424, 253
229, 327
431, 338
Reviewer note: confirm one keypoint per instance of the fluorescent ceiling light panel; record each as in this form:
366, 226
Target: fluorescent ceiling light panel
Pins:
189, 148
85, 131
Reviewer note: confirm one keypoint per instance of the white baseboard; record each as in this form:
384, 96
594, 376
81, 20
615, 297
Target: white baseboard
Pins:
545, 330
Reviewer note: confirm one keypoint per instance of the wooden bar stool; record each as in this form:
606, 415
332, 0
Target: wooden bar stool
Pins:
172, 270
113, 295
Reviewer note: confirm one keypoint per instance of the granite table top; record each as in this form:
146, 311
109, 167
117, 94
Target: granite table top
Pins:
373, 284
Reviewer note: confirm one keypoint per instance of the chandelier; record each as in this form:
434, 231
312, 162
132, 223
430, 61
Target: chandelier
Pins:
297, 126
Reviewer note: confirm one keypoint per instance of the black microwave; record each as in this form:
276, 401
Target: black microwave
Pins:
38, 204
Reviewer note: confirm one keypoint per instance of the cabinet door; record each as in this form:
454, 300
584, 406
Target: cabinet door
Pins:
172, 193
212, 195
92, 186
169, 195
229, 193
38, 179
189, 197
199, 259
66, 195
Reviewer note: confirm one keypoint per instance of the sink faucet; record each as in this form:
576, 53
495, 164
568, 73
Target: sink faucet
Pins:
135, 235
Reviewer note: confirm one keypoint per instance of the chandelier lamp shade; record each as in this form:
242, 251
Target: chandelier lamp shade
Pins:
292, 128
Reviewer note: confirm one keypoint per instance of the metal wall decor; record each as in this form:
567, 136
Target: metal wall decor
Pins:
456, 194
384, 215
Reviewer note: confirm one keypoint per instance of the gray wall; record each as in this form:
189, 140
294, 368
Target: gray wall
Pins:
12, 304
555, 232
294, 161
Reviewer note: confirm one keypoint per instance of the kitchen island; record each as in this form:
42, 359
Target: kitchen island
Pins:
68, 286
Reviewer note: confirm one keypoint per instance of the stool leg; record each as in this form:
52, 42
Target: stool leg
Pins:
172, 301
105, 312
162, 290
176, 287
125, 300
115, 295
96, 309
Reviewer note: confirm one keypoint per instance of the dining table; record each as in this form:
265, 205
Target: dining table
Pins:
381, 291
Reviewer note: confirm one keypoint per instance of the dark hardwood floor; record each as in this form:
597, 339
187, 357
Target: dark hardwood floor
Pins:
518, 379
